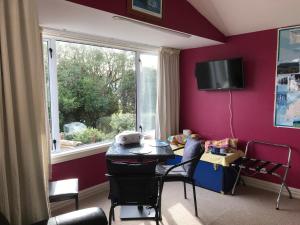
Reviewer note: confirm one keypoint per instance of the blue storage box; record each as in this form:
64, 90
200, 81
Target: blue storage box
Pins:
212, 176
215, 177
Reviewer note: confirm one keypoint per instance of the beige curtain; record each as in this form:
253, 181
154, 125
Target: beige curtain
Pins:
23, 130
168, 94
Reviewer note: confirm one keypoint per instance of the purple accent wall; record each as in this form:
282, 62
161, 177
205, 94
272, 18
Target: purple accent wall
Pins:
89, 170
207, 113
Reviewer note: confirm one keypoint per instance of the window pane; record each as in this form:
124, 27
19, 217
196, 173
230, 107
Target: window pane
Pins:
147, 102
96, 93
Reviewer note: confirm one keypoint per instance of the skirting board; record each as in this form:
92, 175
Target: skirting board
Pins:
83, 194
269, 186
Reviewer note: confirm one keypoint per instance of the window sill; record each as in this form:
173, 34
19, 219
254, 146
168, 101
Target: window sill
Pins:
79, 153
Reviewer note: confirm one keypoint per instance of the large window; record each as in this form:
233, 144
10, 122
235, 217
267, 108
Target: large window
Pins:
96, 92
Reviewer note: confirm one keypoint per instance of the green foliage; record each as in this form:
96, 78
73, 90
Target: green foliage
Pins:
103, 124
89, 135
127, 92
122, 121
118, 122
93, 82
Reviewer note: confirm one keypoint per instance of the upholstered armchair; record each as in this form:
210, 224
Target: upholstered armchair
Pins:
89, 216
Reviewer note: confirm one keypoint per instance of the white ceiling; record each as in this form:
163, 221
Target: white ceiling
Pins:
243, 16
63, 15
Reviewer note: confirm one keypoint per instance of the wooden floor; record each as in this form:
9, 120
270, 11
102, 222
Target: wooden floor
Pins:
250, 206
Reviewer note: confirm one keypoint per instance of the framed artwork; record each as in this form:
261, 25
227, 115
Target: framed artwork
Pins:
287, 96
147, 9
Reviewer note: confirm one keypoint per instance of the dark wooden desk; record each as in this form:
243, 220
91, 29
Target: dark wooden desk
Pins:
138, 152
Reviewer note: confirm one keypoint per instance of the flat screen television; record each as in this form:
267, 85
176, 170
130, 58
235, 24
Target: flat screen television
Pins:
220, 74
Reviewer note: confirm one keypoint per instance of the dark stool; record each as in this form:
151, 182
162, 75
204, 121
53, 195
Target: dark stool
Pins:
64, 190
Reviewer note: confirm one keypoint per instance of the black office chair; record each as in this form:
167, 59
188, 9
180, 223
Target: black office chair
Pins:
184, 171
133, 184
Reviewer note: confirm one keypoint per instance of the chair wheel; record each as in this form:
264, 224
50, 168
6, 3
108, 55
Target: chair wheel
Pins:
277, 208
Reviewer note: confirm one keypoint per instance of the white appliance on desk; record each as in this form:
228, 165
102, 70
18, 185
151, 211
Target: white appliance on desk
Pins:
128, 137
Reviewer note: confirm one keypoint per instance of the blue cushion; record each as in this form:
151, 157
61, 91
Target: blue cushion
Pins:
192, 149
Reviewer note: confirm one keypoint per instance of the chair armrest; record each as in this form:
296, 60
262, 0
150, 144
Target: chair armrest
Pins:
180, 164
176, 149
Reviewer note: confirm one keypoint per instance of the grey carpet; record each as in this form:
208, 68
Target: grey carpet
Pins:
250, 206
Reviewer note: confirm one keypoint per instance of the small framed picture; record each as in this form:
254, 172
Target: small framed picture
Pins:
147, 9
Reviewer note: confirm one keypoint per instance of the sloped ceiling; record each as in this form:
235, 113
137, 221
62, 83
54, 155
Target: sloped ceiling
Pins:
178, 15
68, 16
234, 17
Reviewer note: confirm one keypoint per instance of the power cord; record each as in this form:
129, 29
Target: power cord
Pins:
231, 114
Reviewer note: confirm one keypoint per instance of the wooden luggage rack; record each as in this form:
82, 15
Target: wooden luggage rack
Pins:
251, 166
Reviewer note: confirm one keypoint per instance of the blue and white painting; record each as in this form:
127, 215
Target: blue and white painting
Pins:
151, 7
287, 100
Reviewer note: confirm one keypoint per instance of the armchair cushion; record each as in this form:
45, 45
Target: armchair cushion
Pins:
89, 216
176, 172
3, 220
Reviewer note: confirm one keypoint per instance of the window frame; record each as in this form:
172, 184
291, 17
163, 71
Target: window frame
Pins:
52, 62
51, 37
